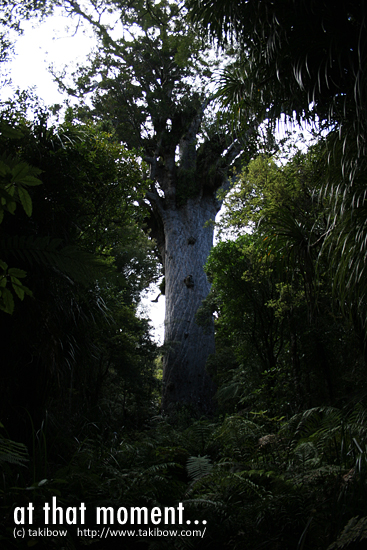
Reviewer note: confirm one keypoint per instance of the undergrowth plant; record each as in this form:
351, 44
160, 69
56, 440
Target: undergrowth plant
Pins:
258, 482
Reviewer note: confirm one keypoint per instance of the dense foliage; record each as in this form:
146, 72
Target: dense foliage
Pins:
272, 290
84, 260
281, 464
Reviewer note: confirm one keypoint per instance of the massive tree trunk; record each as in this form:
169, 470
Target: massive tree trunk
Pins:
180, 225
154, 90
187, 245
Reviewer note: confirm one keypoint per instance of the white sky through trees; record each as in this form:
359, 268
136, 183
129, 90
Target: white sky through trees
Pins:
40, 45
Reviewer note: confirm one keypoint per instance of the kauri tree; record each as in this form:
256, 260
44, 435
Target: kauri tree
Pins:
151, 87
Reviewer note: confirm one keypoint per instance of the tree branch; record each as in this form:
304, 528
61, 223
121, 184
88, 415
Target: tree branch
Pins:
187, 144
156, 202
100, 29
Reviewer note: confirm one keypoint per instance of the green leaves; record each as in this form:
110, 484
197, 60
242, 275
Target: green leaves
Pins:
26, 200
15, 177
11, 276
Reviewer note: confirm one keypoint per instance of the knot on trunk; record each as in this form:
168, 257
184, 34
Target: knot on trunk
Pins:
189, 281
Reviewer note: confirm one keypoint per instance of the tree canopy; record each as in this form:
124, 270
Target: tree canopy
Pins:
152, 86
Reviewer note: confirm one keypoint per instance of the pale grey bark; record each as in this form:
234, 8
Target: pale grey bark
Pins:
179, 225
187, 245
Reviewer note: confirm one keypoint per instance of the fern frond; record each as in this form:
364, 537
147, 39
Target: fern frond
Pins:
13, 452
198, 466
355, 531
